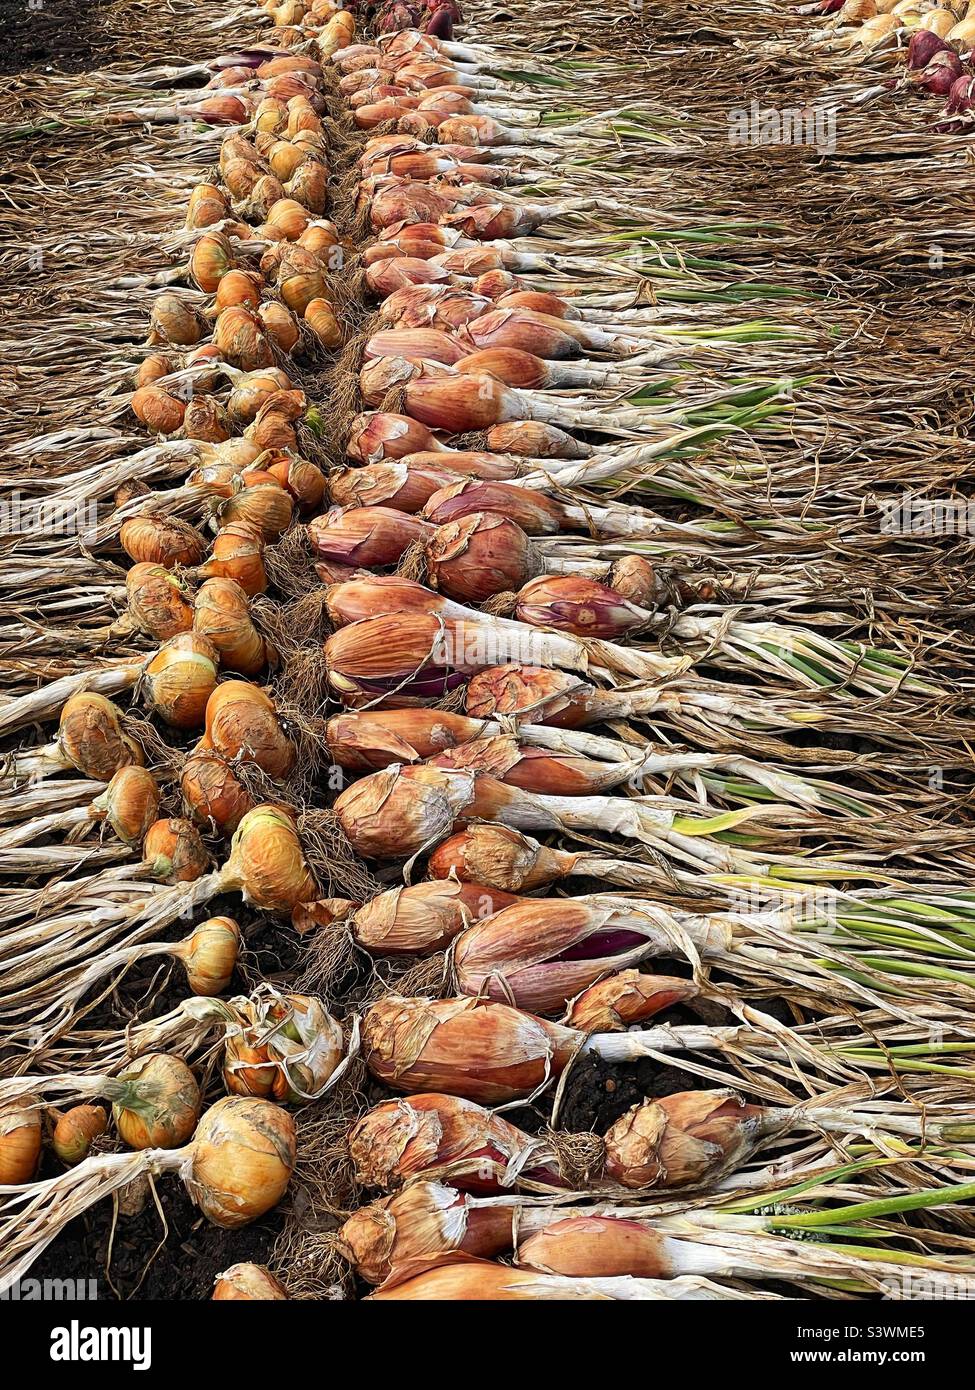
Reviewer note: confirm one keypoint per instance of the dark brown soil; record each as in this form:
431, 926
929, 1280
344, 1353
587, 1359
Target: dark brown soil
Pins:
58, 34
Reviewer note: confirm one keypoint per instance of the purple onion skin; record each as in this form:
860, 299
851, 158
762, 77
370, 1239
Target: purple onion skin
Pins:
922, 48
938, 79
830, 6
440, 25
961, 97
602, 944
246, 58
431, 684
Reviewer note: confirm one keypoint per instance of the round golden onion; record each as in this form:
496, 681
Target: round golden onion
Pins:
92, 739
243, 1155
174, 852
75, 1131
155, 1102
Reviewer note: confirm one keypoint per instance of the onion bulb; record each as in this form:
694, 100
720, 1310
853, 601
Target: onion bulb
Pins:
75, 1130
247, 1282
174, 851
20, 1141
91, 737
180, 679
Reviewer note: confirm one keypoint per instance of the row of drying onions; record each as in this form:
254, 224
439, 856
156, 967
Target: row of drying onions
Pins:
939, 39
236, 1159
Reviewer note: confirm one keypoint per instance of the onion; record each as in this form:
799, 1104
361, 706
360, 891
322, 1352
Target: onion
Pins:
172, 319
241, 724
290, 1049
209, 955
157, 409
211, 260
247, 1282
91, 737
75, 1131
365, 536
207, 420
180, 679
155, 1102
174, 851
422, 917
221, 614
922, 48
212, 793
627, 997
400, 1140
243, 1155
238, 554
20, 1141
683, 1139
153, 539
130, 803
482, 555
493, 1053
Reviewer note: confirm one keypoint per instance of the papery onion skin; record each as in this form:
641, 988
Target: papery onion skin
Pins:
157, 601
159, 1102
247, 1282
75, 1131
423, 917
92, 738
174, 851
130, 803
243, 1155
20, 1141
597, 1246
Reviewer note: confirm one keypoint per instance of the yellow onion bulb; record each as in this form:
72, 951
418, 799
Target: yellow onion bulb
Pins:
240, 336
286, 220
180, 679
281, 325
206, 419
304, 480
20, 1141
247, 1282
254, 390
173, 851
213, 795
206, 205
151, 368
91, 736
173, 319
301, 288
209, 955
308, 186
319, 237
211, 260
283, 159
238, 553
154, 539
222, 616
241, 722
157, 601
155, 1102
238, 287
159, 411
268, 508
271, 116
323, 322
75, 1132
267, 862
130, 803
243, 1157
